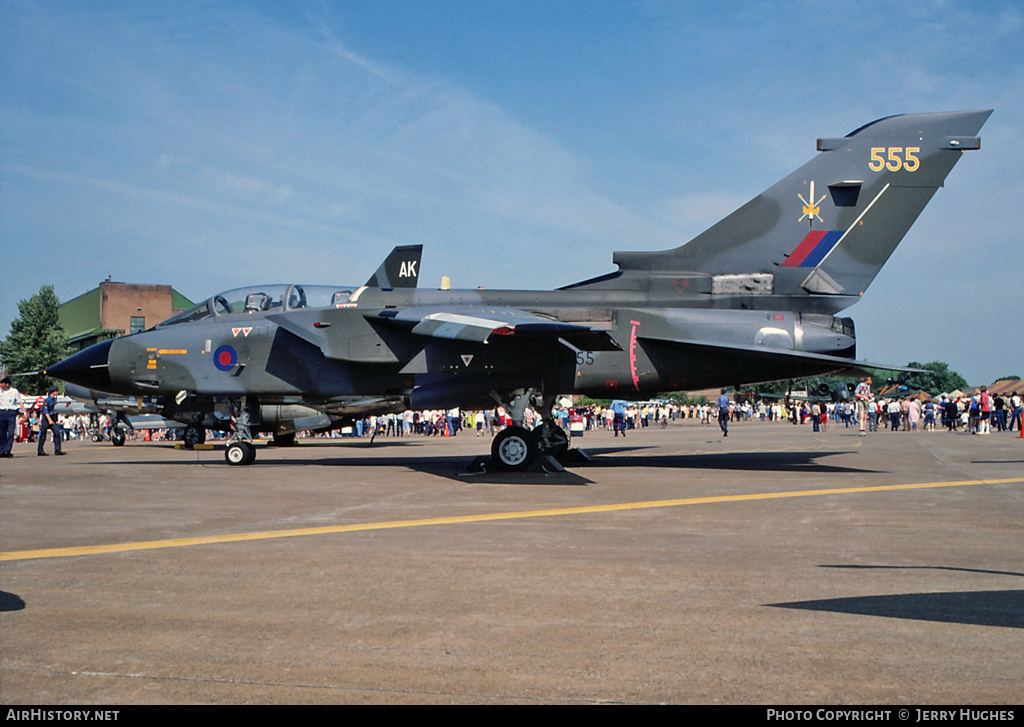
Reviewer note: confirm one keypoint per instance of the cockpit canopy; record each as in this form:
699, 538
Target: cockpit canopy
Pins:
264, 299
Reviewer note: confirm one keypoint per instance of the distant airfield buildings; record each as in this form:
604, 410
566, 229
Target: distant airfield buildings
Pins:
117, 309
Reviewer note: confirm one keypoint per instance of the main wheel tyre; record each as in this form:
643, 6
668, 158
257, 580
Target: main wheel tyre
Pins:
240, 453
514, 448
193, 435
117, 436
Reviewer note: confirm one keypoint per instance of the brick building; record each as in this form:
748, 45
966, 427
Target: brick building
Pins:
117, 309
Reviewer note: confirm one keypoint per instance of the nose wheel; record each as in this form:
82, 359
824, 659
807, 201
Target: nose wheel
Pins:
240, 453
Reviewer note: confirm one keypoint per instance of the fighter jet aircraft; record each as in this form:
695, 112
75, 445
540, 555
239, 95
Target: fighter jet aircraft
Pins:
754, 298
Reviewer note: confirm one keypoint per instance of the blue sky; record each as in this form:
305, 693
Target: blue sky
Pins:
210, 145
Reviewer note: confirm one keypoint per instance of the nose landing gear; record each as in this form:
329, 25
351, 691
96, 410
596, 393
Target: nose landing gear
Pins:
240, 449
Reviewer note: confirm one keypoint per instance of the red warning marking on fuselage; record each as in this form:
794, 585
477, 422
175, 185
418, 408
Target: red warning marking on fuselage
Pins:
632, 356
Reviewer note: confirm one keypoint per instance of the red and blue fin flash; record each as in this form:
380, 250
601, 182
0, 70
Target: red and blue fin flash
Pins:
813, 249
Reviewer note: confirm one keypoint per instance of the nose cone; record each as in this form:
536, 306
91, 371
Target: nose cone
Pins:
89, 368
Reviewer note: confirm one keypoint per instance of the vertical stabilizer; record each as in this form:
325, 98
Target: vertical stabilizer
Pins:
827, 228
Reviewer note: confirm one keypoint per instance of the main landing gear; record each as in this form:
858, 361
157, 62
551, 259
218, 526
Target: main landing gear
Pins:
518, 448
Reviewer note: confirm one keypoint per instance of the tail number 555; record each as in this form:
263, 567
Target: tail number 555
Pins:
894, 158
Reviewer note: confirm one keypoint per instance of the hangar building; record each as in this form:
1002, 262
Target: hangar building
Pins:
116, 309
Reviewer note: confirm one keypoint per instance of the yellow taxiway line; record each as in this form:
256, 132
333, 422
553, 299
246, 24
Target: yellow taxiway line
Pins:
458, 519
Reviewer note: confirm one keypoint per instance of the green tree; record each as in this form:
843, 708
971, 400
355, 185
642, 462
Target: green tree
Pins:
36, 341
938, 380
681, 398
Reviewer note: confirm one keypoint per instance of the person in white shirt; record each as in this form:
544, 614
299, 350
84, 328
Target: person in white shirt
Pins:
862, 396
10, 406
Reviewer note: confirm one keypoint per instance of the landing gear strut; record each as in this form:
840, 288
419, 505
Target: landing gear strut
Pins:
240, 448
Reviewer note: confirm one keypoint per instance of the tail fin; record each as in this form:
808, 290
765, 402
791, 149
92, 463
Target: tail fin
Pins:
827, 228
400, 269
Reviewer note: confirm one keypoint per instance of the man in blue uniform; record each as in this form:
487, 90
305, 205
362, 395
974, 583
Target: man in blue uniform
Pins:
48, 421
723, 413
619, 412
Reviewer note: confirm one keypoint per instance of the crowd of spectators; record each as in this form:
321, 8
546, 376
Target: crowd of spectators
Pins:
977, 414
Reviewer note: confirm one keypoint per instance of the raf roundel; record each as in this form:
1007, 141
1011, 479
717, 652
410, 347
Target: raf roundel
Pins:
225, 358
